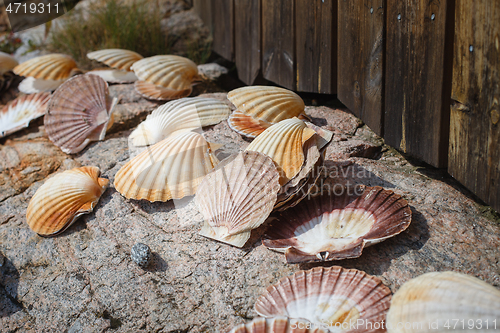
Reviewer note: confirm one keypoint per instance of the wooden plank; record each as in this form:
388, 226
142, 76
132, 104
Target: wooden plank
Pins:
223, 32
474, 157
204, 10
316, 44
417, 91
247, 39
278, 42
360, 57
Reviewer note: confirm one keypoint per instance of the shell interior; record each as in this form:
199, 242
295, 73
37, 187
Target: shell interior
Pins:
116, 58
114, 75
48, 67
17, 114
247, 125
30, 85
332, 226
159, 93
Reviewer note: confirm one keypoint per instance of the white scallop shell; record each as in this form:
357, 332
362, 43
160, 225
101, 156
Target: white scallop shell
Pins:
237, 196
17, 114
171, 169
445, 302
7, 62
114, 75
184, 114
116, 58
30, 85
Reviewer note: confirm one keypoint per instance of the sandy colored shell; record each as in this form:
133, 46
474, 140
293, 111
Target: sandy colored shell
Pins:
114, 75
237, 196
30, 85
246, 125
270, 104
79, 112
171, 169
48, 67
17, 114
329, 297
116, 58
158, 93
336, 225
283, 142
167, 71
63, 198
7, 62
185, 114
445, 302
277, 325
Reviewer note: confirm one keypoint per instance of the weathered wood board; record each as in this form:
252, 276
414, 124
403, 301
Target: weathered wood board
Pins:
316, 34
417, 89
474, 155
223, 30
204, 10
247, 41
361, 59
278, 42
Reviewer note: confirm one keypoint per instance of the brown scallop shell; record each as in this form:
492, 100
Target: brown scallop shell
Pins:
158, 93
7, 62
332, 226
277, 325
331, 297
246, 125
116, 58
48, 67
63, 198
18, 114
79, 112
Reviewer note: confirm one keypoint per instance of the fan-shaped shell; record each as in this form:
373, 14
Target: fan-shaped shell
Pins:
277, 325
237, 197
30, 85
17, 114
246, 125
270, 104
337, 225
78, 113
171, 169
167, 71
283, 143
116, 58
185, 114
7, 62
158, 93
63, 198
48, 67
444, 302
114, 75
332, 297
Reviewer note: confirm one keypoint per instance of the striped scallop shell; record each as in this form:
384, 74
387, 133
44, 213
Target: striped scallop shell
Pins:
283, 142
444, 302
185, 114
333, 297
30, 85
171, 169
333, 226
7, 62
237, 197
114, 75
167, 71
246, 125
116, 58
270, 104
48, 67
63, 198
277, 325
78, 113
17, 114
158, 93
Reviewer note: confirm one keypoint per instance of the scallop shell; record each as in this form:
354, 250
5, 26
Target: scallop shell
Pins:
333, 226
171, 169
246, 125
445, 302
79, 112
237, 197
270, 104
48, 67
283, 143
114, 75
7, 62
331, 297
277, 325
63, 198
167, 71
30, 85
17, 114
158, 93
116, 58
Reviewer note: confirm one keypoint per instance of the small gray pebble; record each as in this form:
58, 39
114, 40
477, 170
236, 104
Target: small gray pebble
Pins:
141, 254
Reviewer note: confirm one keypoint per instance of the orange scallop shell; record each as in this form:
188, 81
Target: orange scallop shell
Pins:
48, 67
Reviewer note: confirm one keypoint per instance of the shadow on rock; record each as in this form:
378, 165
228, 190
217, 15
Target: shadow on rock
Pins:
157, 264
377, 259
348, 173
9, 280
